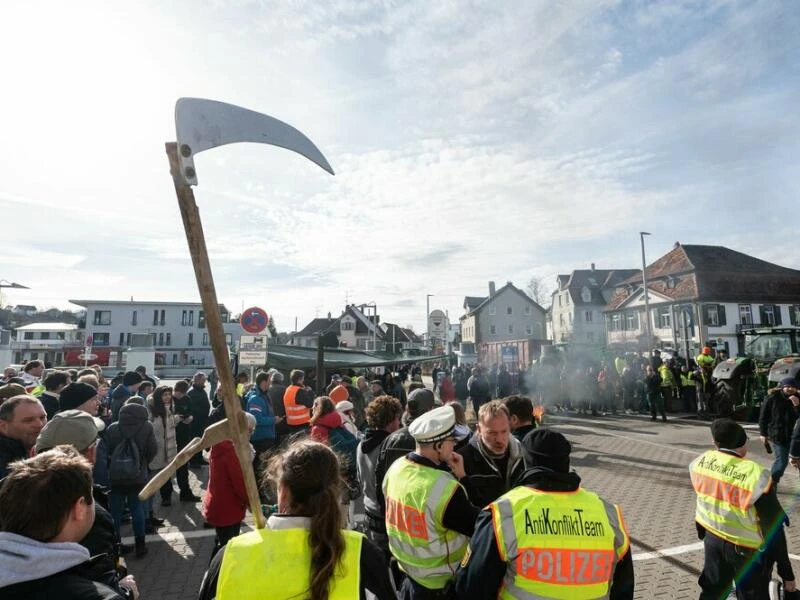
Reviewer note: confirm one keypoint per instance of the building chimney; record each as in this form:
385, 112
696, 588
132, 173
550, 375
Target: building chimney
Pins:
329, 315
593, 267
491, 288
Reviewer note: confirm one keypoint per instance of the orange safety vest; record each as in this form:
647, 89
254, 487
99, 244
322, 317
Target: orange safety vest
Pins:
296, 414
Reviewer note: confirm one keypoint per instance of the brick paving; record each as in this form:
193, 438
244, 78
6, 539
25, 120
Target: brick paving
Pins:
639, 464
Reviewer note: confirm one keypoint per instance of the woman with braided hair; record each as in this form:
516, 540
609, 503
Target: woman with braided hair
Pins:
303, 553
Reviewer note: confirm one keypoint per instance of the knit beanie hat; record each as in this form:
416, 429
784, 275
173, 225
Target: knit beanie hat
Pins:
549, 449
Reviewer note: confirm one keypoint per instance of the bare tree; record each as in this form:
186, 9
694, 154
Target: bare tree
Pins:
538, 290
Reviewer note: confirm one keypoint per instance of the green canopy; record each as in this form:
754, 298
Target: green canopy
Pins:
285, 358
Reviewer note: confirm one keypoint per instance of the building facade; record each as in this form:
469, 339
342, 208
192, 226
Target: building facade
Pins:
43, 341
576, 311
176, 331
506, 315
702, 295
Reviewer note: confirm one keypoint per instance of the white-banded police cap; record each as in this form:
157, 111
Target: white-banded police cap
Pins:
433, 426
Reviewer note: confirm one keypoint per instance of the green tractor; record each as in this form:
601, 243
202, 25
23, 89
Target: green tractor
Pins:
770, 354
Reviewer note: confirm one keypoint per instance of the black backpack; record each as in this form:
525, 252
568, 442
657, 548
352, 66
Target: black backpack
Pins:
125, 467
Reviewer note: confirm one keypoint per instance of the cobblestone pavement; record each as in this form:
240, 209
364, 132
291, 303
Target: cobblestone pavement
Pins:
632, 461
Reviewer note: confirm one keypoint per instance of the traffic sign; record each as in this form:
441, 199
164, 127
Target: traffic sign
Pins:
253, 342
254, 320
253, 358
87, 356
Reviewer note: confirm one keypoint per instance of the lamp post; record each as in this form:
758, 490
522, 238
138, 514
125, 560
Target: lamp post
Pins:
646, 300
428, 318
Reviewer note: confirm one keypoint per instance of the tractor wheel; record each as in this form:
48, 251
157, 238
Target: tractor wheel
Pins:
725, 396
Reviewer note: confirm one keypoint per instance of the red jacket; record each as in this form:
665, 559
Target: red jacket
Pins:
320, 429
225, 500
447, 391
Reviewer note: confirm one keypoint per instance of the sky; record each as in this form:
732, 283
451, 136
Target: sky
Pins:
472, 142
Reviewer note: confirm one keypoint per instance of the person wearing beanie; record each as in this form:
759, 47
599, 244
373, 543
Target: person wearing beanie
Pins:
738, 517
80, 396
428, 516
129, 386
551, 518
776, 422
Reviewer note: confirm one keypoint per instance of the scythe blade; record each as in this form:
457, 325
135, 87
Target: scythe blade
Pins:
202, 124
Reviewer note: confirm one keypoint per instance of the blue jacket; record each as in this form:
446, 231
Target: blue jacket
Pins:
259, 405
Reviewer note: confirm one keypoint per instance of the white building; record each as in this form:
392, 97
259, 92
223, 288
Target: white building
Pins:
175, 330
43, 341
702, 295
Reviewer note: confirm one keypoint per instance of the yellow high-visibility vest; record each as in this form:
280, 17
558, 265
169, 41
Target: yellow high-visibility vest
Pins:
558, 544
727, 488
276, 564
416, 498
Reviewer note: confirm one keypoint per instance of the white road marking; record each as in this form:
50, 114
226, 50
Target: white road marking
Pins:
668, 551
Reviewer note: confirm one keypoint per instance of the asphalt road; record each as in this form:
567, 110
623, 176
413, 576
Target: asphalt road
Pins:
630, 460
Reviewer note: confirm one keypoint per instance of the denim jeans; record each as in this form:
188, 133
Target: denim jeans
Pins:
725, 563
781, 461
117, 504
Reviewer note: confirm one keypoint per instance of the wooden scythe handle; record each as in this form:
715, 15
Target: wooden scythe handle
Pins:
205, 284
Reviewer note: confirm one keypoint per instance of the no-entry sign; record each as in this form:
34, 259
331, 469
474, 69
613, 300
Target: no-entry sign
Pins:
254, 320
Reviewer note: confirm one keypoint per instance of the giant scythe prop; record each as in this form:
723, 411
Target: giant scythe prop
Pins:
202, 124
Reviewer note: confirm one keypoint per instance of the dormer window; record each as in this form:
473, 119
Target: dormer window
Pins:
672, 282
586, 294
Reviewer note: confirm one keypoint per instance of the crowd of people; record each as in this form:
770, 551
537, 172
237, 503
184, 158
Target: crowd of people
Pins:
368, 492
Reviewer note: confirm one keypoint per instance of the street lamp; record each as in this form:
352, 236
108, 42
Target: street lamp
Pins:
428, 317
646, 300
374, 308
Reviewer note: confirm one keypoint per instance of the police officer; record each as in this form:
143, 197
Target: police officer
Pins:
737, 510
428, 516
548, 537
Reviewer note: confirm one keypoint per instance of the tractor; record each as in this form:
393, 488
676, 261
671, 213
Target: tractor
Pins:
770, 354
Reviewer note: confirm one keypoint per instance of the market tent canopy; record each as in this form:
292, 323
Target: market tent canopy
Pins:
285, 358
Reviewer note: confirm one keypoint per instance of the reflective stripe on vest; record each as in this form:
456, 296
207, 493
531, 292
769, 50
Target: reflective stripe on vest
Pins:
416, 498
296, 414
727, 488
558, 545
269, 563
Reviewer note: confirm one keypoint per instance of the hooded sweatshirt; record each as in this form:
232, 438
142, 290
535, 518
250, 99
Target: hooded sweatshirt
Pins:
133, 423
37, 570
366, 458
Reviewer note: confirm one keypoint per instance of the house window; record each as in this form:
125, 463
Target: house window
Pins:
559, 300
632, 321
163, 314
510, 329
770, 314
185, 318
528, 329
527, 309
127, 339
134, 318
153, 339
570, 318
155, 317
121, 338
745, 314
712, 315
205, 339
616, 322
588, 316
174, 358
28, 335
169, 339
190, 342
509, 310
201, 319
492, 309
492, 330
794, 314
160, 339
664, 318
61, 335
45, 335
348, 325
102, 317
100, 339
561, 320
191, 317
